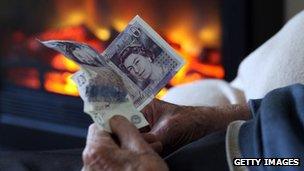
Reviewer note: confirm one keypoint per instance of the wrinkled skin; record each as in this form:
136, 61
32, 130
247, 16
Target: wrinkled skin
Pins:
175, 126
131, 152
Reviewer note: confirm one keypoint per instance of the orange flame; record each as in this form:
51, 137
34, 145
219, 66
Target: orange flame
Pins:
161, 93
60, 62
180, 27
61, 83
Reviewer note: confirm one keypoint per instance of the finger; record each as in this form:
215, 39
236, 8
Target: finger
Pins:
156, 109
145, 129
98, 138
148, 112
150, 105
128, 134
149, 138
98, 143
152, 111
157, 146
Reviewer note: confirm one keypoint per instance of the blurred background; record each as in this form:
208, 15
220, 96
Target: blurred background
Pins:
40, 103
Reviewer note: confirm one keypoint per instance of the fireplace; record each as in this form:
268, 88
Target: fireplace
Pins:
194, 33
37, 95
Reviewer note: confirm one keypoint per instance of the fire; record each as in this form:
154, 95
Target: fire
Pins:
209, 35
60, 83
189, 45
119, 25
161, 93
84, 22
60, 62
74, 18
28, 77
102, 34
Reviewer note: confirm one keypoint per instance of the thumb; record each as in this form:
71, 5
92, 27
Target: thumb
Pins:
153, 111
128, 134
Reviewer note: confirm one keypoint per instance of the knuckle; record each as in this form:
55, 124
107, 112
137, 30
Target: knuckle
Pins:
163, 123
86, 158
168, 121
89, 155
92, 127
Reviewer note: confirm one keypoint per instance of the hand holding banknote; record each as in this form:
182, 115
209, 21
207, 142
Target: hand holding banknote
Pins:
128, 152
126, 76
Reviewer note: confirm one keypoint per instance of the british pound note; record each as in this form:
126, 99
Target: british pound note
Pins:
80, 53
104, 96
145, 61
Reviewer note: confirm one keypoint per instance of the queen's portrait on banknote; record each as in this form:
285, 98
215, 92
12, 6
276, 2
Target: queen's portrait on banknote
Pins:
143, 59
138, 62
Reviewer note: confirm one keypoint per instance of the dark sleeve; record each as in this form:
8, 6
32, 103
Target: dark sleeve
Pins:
277, 129
254, 106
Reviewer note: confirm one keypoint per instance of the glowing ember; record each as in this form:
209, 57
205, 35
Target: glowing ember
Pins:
161, 93
75, 33
61, 83
28, 77
119, 25
60, 62
58, 82
102, 34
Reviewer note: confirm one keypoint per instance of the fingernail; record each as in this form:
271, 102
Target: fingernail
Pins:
117, 118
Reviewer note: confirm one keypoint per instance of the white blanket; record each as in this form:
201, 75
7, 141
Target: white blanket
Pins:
278, 62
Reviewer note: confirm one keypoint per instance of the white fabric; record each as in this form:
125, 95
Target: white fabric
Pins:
278, 62
207, 92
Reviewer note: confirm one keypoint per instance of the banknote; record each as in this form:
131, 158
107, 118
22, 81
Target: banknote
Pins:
80, 53
104, 96
145, 61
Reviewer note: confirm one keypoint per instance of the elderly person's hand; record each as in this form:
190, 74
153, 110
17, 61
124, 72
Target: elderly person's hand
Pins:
175, 126
128, 152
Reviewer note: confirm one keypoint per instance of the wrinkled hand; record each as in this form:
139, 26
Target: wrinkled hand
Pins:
174, 125
131, 152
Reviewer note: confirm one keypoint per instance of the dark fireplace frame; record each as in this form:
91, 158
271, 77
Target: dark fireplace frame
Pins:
246, 25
